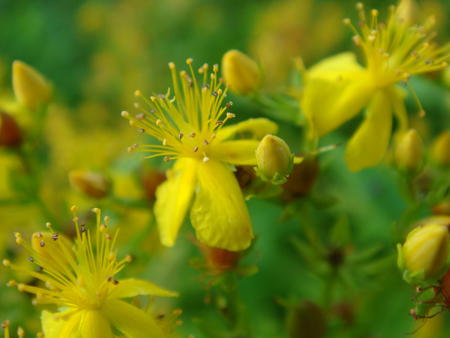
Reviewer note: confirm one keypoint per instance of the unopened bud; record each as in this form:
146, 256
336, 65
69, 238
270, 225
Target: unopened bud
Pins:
89, 183
274, 159
240, 72
306, 320
409, 151
424, 253
440, 151
302, 178
30, 87
10, 134
219, 260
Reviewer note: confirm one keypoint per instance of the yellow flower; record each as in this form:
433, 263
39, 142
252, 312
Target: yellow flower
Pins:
189, 126
394, 50
80, 279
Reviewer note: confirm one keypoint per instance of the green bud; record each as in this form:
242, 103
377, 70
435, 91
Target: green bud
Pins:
274, 159
424, 253
409, 151
240, 72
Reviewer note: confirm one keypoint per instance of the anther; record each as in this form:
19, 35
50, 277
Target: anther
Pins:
41, 243
171, 65
230, 115
48, 225
55, 236
128, 258
205, 159
141, 130
73, 208
346, 21
136, 105
82, 229
11, 283
205, 142
39, 269
195, 149
359, 6
229, 104
164, 142
189, 61
180, 135
219, 122
158, 122
214, 93
6, 262
166, 158
140, 116
192, 135
125, 114
137, 92
30, 259
6, 324
216, 68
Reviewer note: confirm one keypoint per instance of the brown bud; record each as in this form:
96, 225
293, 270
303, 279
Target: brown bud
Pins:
219, 260
89, 183
10, 134
151, 178
306, 320
302, 178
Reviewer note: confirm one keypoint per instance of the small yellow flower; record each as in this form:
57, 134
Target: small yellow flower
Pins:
80, 279
189, 127
30, 87
240, 72
424, 252
394, 50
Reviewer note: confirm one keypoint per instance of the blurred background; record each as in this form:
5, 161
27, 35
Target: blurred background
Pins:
96, 53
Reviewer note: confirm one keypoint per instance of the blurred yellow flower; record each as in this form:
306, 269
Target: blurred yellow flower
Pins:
79, 278
394, 51
190, 129
240, 72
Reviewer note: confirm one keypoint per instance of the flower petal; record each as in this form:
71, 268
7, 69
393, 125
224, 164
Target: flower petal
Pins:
239, 152
250, 128
93, 324
130, 320
55, 325
369, 143
336, 89
173, 198
136, 287
219, 214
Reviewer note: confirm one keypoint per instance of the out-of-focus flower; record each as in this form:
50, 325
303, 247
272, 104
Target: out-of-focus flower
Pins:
90, 183
190, 129
30, 87
274, 159
424, 253
240, 72
394, 51
287, 29
409, 151
10, 134
80, 278
440, 150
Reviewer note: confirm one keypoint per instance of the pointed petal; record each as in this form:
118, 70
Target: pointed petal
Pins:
55, 325
251, 128
136, 287
346, 87
173, 198
130, 320
219, 214
369, 143
239, 152
93, 325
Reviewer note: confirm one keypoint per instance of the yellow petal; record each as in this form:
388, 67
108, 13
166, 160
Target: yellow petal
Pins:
239, 152
251, 128
130, 320
55, 325
173, 198
369, 143
136, 287
219, 214
336, 89
94, 325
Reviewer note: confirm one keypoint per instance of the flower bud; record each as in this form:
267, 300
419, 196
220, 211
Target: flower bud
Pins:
306, 320
30, 87
274, 159
219, 260
240, 72
440, 151
424, 253
89, 183
409, 151
10, 134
